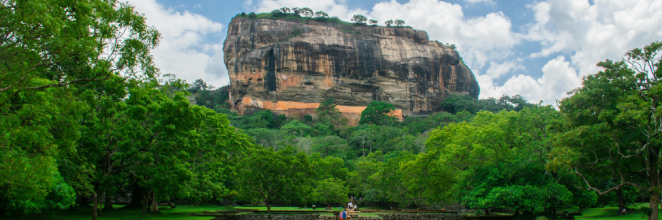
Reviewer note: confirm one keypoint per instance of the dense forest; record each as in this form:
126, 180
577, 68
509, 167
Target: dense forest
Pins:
86, 116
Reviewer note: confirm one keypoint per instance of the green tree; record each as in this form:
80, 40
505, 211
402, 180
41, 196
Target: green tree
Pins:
321, 14
328, 113
359, 19
614, 123
373, 22
493, 156
399, 23
307, 12
284, 9
332, 146
51, 50
388, 23
392, 180
457, 103
360, 181
378, 113
297, 128
269, 176
332, 190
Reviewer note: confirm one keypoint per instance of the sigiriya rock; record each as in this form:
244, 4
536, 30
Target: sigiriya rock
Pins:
290, 66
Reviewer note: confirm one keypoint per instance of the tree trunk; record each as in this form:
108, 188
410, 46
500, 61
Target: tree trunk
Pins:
108, 203
654, 178
137, 197
144, 203
268, 207
654, 202
96, 205
621, 200
155, 203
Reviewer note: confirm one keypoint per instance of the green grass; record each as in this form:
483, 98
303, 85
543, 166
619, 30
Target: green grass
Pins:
179, 213
611, 213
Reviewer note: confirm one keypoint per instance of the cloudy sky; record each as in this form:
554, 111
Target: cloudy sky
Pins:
536, 48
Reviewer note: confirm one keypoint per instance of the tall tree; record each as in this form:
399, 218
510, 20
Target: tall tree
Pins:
332, 190
377, 113
269, 176
328, 113
615, 123
49, 50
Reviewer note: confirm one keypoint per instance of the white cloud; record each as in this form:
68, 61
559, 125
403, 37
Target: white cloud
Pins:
489, 2
183, 49
588, 34
497, 70
479, 39
557, 79
592, 33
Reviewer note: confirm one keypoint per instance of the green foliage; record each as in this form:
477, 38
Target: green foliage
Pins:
332, 146
613, 113
50, 54
321, 14
497, 160
269, 176
61, 196
297, 128
359, 19
332, 190
457, 103
419, 125
377, 113
388, 23
327, 113
399, 23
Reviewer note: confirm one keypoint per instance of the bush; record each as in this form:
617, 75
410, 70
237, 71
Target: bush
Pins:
61, 196
252, 15
541, 218
277, 13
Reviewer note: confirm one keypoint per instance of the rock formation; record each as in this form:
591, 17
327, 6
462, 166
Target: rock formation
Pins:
290, 66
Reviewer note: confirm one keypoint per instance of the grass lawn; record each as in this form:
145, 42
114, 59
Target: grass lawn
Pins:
611, 213
165, 212
179, 213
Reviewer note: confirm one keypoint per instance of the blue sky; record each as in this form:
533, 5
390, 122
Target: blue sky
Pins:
536, 48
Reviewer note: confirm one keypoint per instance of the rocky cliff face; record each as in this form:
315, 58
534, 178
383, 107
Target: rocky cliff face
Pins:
292, 66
